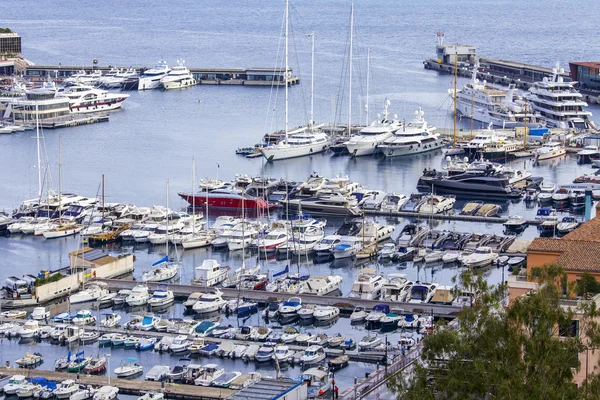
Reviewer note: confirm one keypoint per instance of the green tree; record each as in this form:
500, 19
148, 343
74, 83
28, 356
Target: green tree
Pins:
587, 285
526, 351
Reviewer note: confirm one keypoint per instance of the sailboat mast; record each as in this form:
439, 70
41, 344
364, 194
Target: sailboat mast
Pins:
455, 94
312, 80
350, 71
285, 77
167, 211
59, 177
193, 198
368, 80
39, 158
525, 127
102, 199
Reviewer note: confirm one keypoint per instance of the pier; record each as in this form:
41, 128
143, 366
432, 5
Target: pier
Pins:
344, 304
129, 386
447, 217
204, 76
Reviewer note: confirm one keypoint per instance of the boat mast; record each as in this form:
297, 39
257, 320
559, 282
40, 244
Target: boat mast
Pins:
368, 79
350, 71
39, 160
102, 199
455, 94
167, 211
312, 80
193, 197
59, 178
285, 77
526, 105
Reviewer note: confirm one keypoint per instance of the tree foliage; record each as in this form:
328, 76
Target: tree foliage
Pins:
526, 351
587, 285
5, 30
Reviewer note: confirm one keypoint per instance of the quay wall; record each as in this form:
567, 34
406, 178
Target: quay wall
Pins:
54, 290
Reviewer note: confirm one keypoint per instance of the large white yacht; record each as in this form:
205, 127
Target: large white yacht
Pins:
85, 99
559, 104
179, 77
150, 79
365, 143
297, 145
491, 104
482, 140
412, 138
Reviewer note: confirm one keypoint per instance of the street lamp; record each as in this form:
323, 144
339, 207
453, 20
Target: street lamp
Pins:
108, 362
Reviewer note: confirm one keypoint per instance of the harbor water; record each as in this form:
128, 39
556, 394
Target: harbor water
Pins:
156, 134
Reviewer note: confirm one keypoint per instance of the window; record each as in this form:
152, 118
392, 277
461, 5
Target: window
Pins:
569, 330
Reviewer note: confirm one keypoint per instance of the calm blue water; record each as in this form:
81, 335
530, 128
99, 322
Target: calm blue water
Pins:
157, 133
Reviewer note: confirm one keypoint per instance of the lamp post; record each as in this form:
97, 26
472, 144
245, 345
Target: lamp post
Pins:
108, 372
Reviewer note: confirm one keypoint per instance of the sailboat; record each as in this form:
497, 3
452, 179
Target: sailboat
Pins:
164, 269
64, 228
200, 238
300, 144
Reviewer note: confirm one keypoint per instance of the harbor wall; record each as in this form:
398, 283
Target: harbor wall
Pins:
55, 290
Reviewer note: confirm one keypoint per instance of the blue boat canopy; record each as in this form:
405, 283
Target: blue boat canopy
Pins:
382, 307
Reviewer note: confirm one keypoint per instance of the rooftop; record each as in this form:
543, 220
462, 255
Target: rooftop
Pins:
10, 34
578, 250
94, 256
266, 389
591, 64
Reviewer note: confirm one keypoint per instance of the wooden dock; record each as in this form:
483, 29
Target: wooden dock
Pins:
343, 303
129, 386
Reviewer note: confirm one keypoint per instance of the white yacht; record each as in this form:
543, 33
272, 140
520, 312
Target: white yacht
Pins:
482, 140
435, 204
367, 285
321, 285
138, 297
209, 302
150, 79
422, 292
161, 297
412, 138
327, 244
85, 99
162, 270
559, 104
210, 273
550, 150
297, 145
365, 143
92, 293
492, 105
179, 77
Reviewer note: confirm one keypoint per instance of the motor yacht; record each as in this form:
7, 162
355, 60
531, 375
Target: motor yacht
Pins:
297, 145
139, 296
396, 288
151, 78
367, 285
412, 138
435, 204
179, 77
208, 375
313, 355
209, 302
326, 313
86, 99
29, 329
367, 140
210, 273
422, 292
290, 307
549, 151
161, 297
92, 293
567, 224
480, 258
321, 285
515, 223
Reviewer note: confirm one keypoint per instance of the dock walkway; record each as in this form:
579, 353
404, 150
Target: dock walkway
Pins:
449, 217
343, 303
129, 386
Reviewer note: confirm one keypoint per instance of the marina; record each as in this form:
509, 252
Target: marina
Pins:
317, 235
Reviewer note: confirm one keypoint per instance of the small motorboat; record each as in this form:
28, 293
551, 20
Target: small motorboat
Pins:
450, 256
488, 210
471, 207
177, 372
88, 336
335, 341
146, 344
30, 360
157, 373
65, 389
265, 352
118, 339
14, 383
319, 339
110, 320
106, 339
387, 251
303, 338
129, 367
358, 315
40, 313
84, 393
62, 363
289, 335
283, 354
209, 350
338, 362
180, 344
152, 396
567, 225
131, 342
515, 262
106, 393
349, 344
208, 375
368, 343
224, 380
515, 223
84, 317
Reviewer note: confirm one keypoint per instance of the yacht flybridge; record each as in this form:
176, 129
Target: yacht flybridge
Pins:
151, 78
412, 138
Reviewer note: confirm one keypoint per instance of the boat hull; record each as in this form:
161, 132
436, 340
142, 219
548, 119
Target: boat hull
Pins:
234, 202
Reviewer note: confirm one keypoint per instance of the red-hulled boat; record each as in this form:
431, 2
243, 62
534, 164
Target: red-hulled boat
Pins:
226, 198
